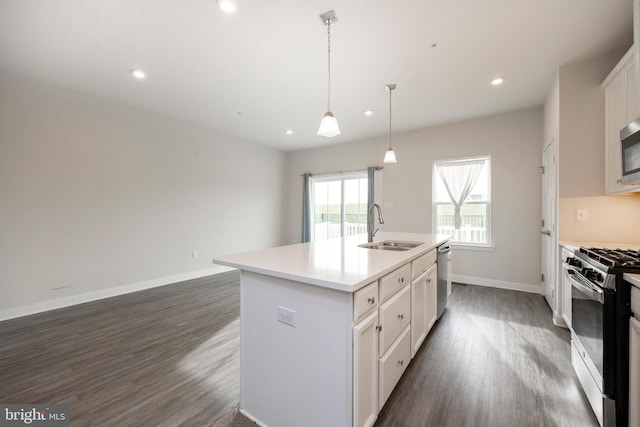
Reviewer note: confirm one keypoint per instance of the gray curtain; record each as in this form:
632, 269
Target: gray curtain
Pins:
371, 191
306, 220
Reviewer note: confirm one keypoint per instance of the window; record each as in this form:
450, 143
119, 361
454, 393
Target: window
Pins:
462, 200
338, 205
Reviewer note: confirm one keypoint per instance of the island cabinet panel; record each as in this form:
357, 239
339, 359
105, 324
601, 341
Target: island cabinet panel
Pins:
393, 365
395, 316
365, 371
394, 281
325, 339
365, 300
301, 372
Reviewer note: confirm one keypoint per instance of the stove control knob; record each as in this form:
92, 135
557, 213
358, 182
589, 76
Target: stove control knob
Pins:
592, 275
574, 262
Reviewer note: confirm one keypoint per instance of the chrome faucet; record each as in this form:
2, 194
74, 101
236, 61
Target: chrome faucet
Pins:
371, 221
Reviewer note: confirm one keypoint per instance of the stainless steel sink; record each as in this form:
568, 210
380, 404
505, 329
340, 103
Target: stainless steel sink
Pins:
391, 245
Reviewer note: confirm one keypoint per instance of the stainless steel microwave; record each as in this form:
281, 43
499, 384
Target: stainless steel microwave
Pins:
630, 141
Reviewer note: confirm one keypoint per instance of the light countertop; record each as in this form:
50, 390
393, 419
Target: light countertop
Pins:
634, 279
335, 263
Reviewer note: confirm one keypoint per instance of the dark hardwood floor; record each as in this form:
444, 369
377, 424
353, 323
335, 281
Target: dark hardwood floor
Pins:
493, 359
166, 356
169, 356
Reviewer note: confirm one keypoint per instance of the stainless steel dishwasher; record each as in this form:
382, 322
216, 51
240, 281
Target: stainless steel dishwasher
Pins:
443, 275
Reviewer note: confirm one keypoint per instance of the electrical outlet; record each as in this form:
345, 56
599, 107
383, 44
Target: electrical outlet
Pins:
582, 215
286, 315
194, 254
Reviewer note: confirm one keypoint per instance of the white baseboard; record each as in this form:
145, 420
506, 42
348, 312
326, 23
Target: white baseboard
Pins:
252, 418
559, 321
500, 284
12, 313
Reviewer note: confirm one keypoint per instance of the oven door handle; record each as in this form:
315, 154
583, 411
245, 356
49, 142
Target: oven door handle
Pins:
594, 294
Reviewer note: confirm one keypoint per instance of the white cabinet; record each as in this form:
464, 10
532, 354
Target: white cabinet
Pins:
365, 300
565, 290
621, 108
392, 317
424, 301
394, 281
395, 316
634, 360
418, 312
432, 297
365, 371
393, 365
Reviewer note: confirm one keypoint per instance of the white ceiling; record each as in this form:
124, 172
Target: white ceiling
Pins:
263, 70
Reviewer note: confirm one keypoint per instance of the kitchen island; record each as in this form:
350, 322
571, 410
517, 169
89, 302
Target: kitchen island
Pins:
326, 327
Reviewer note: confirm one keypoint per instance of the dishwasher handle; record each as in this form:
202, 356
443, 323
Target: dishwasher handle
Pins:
444, 249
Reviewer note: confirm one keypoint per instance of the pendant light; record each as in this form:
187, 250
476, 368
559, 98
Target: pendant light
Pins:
329, 124
390, 155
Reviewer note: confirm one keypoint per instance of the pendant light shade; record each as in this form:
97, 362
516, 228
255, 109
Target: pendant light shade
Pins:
390, 155
329, 123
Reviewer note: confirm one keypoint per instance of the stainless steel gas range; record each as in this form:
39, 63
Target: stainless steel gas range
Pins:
600, 311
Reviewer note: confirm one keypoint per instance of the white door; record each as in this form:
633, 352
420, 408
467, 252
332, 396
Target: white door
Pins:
548, 228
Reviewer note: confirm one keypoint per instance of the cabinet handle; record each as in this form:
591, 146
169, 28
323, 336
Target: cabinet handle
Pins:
619, 181
429, 280
371, 300
400, 362
401, 280
379, 328
400, 316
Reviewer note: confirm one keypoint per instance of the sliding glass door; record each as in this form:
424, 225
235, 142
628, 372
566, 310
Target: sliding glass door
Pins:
338, 205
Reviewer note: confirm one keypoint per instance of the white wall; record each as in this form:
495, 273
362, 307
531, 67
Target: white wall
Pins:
96, 196
581, 159
513, 140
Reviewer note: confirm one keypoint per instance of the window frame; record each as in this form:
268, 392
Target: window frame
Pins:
488, 244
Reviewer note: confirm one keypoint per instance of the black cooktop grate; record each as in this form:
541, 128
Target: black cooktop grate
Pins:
615, 258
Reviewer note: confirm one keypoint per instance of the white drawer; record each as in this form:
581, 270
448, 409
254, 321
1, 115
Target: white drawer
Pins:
635, 301
364, 300
395, 315
394, 281
393, 365
423, 262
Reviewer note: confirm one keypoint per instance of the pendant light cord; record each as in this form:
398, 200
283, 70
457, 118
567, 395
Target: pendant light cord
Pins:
329, 64
390, 90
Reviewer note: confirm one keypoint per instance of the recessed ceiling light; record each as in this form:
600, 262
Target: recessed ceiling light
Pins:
433, 45
228, 6
289, 132
138, 74
368, 113
497, 81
